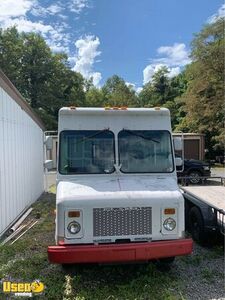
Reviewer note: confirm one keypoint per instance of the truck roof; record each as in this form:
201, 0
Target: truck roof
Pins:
96, 118
113, 110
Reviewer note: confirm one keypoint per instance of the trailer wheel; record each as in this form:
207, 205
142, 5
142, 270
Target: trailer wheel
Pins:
196, 225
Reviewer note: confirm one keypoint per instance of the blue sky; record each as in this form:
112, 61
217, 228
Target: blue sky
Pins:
131, 38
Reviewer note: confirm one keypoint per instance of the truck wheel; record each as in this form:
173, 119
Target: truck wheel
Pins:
194, 177
196, 225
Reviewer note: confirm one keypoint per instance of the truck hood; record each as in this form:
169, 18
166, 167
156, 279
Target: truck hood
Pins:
117, 187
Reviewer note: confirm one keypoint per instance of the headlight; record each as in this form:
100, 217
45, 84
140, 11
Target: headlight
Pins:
169, 224
206, 168
74, 227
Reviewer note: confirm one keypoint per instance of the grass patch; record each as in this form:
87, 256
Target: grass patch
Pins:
208, 274
26, 260
194, 260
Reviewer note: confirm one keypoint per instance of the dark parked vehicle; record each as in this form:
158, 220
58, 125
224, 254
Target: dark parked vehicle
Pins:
194, 169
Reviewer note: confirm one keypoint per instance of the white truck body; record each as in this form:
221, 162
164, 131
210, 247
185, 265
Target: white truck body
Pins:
129, 201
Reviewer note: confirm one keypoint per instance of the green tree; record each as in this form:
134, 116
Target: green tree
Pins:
204, 98
166, 92
94, 97
155, 92
117, 93
43, 77
11, 53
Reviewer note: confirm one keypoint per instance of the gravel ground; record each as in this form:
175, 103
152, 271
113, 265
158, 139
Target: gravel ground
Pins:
50, 179
202, 274
218, 172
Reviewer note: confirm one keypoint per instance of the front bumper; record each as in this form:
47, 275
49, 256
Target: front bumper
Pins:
65, 254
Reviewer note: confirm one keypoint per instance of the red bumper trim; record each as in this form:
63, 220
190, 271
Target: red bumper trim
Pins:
118, 252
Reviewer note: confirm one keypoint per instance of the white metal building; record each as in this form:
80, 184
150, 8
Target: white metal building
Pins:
21, 154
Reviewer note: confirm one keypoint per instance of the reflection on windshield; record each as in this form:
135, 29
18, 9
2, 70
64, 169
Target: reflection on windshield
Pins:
86, 152
145, 151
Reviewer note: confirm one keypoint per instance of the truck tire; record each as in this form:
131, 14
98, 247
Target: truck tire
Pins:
194, 177
196, 225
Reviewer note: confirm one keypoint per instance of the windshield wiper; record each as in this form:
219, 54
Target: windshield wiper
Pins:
142, 136
83, 139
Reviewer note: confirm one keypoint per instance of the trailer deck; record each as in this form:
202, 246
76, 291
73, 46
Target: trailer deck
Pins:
204, 209
214, 196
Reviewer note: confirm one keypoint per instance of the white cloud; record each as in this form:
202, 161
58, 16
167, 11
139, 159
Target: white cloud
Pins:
25, 25
173, 57
174, 71
78, 5
87, 51
220, 14
133, 86
57, 40
130, 84
149, 71
96, 77
139, 89
54, 9
40, 11
14, 13
14, 8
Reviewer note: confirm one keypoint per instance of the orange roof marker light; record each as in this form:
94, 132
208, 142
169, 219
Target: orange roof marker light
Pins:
157, 108
72, 107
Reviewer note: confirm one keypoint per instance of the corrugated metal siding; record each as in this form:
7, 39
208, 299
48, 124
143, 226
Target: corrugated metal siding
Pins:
21, 160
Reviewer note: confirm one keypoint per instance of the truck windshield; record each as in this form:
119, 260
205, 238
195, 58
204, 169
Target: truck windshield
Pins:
145, 151
86, 152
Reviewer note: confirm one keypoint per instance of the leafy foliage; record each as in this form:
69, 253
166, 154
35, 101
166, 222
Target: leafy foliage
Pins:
43, 78
117, 93
204, 97
166, 92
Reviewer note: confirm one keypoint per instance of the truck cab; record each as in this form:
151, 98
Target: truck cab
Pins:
117, 196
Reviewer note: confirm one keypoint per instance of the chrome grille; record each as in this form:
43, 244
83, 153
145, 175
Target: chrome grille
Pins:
121, 221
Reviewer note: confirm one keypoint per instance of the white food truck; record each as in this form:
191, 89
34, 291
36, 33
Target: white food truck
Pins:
117, 194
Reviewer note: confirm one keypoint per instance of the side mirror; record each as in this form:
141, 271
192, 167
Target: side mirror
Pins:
178, 161
48, 164
49, 143
178, 144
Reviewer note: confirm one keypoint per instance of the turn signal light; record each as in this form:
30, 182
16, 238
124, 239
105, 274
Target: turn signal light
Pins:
74, 214
169, 211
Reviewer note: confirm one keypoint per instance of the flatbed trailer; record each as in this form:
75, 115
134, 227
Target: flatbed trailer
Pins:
204, 210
